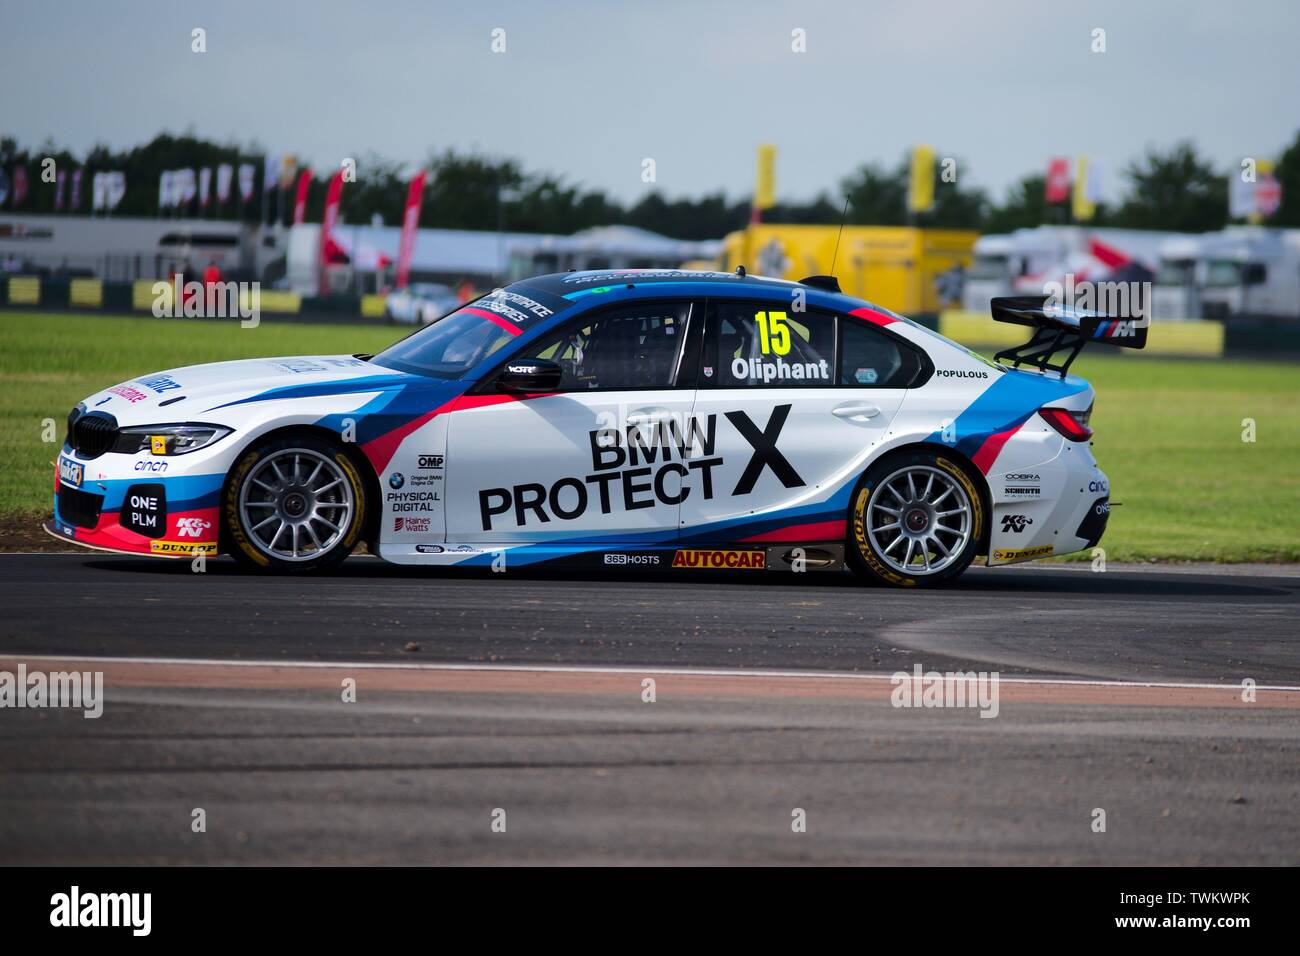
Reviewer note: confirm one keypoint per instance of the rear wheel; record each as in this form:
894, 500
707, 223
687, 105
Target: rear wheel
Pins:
916, 519
294, 503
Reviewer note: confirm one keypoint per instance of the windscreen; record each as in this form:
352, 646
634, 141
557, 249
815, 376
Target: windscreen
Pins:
452, 346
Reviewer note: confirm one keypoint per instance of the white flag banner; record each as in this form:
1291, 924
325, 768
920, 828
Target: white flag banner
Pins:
1241, 197
224, 173
114, 189
165, 189
188, 185
98, 191
270, 173
1096, 183
246, 173
205, 185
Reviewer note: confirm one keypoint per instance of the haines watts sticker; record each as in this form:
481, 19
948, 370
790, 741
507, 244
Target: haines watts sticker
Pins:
719, 559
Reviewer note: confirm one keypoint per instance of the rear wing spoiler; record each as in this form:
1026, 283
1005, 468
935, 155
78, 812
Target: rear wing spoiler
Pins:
1060, 329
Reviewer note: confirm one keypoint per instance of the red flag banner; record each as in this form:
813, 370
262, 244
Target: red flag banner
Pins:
332, 196
1058, 179
1268, 194
300, 199
410, 223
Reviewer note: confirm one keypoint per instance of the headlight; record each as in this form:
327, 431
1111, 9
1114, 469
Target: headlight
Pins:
168, 439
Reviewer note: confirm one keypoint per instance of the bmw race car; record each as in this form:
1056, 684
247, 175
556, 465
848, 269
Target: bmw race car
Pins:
666, 420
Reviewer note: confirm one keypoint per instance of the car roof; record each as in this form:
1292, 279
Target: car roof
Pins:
572, 288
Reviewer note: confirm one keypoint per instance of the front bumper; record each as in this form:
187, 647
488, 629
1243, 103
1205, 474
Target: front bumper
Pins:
118, 503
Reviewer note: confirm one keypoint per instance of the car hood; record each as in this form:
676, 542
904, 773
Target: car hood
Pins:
192, 392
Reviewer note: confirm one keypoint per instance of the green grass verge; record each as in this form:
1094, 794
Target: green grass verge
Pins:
1169, 435
1169, 431
51, 361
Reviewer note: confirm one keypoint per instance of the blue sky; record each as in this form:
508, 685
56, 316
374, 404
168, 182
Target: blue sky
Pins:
588, 90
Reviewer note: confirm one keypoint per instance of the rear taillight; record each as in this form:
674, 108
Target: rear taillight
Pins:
1073, 425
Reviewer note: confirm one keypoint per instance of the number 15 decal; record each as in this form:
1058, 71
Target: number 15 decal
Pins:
773, 333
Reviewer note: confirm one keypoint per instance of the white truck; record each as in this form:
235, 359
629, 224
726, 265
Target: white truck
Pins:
1024, 261
1176, 293
1001, 261
1250, 270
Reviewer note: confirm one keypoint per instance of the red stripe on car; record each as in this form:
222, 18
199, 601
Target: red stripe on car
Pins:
992, 447
495, 320
815, 531
871, 315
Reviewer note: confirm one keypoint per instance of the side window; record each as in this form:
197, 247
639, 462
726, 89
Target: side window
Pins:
870, 359
630, 347
765, 345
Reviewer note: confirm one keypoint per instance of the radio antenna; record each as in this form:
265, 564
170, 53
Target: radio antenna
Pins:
835, 257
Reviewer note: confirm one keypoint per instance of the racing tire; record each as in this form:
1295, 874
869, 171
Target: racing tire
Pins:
916, 519
293, 504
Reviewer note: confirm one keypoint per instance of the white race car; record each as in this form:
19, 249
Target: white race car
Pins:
643, 419
420, 303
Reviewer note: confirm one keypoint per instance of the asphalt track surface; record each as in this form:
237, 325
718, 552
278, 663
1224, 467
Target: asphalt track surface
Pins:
524, 693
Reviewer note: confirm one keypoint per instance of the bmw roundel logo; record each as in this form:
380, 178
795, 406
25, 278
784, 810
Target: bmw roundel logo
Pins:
396, 480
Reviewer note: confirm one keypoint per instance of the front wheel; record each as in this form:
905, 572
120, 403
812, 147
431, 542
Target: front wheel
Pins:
294, 503
916, 519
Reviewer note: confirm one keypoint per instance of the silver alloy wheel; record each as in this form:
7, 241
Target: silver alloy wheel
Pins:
919, 520
295, 504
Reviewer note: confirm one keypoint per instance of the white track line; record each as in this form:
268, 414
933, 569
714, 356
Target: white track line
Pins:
569, 669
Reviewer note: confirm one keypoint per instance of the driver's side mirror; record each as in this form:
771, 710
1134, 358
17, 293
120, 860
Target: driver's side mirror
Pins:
530, 375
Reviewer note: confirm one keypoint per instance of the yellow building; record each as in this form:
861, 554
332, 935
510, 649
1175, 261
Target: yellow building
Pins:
892, 266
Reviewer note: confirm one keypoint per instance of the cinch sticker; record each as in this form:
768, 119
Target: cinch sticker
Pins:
730, 560
70, 472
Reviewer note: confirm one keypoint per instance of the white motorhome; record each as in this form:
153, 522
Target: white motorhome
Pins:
128, 248
1251, 270
1003, 260
1024, 261
1176, 291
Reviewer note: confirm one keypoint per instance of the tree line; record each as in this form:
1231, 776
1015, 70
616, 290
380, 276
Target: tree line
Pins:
1174, 189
